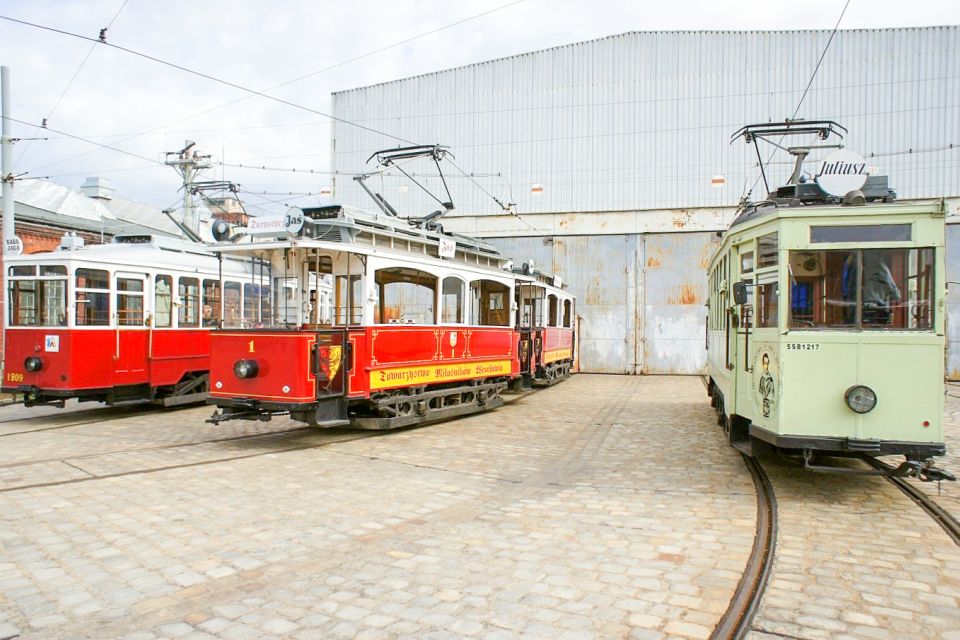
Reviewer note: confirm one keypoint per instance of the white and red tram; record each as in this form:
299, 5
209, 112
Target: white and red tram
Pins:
123, 322
423, 326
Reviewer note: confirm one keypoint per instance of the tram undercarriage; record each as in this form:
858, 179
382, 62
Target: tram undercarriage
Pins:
392, 410
191, 389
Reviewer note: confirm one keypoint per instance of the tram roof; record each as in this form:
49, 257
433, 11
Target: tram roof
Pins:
360, 231
132, 251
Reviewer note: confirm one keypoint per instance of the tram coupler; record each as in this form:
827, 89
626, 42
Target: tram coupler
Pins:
935, 474
226, 414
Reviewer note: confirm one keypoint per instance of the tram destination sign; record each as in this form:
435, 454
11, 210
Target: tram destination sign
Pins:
289, 222
841, 172
13, 246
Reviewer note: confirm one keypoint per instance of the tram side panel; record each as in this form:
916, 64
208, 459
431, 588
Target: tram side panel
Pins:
388, 358
172, 354
70, 360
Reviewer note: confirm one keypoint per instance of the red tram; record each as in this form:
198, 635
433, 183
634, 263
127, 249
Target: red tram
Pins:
423, 325
121, 323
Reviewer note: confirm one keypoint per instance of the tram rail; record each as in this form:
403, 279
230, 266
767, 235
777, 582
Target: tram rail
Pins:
941, 516
197, 463
736, 620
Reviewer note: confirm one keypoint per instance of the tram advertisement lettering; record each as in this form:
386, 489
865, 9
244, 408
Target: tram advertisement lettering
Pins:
766, 381
557, 354
383, 378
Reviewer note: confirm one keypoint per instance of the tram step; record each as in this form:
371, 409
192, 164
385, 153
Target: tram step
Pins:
744, 446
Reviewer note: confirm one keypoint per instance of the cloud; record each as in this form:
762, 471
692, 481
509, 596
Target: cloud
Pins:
260, 44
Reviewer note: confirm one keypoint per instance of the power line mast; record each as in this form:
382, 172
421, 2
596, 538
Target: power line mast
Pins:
188, 162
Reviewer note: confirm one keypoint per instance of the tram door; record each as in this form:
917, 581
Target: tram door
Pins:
742, 327
130, 333
529, 314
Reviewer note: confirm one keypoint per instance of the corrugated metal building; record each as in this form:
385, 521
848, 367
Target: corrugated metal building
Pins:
624, 134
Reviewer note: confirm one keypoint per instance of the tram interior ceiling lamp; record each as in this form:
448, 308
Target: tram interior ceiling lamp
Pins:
244, 369
33, 364
860, 398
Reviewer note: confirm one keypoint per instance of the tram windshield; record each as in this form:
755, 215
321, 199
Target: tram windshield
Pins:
862, 289
37, 301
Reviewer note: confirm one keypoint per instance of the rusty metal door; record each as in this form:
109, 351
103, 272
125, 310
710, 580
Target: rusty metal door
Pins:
674, 299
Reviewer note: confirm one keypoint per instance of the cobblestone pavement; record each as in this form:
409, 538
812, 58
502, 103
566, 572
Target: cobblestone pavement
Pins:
603, 507
857, 559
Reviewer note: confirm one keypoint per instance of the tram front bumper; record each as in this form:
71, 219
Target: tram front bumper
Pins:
850, 445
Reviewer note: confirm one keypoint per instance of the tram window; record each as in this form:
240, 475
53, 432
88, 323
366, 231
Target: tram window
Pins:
188, 313
861, 233
746, 262
530, 311
767, 251
23, 270
38, 303
53, 270
231, 304
93, 297
452, 301
130, 302
405, 296
552, 312
348, 307
23, 303
489, 303
163, 301
863, 288
767, 299
256, 304
211, 303
567, 313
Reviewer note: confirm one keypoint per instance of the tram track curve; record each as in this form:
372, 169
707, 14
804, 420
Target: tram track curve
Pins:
244, 456
736, 621
70, 460
941, 516
99, 414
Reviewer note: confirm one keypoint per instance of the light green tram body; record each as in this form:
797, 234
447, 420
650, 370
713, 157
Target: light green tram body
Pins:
794, 396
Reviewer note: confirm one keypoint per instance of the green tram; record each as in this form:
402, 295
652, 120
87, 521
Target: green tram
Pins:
825, 330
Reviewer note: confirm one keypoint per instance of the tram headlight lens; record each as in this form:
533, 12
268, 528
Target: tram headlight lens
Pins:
246, 369
33, 364
860, 398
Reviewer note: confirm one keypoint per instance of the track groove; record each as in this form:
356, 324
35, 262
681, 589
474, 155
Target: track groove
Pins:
736, 620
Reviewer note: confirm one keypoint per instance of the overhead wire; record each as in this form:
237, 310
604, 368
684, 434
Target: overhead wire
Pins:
63, 93
813, 75
201, 74
339, 64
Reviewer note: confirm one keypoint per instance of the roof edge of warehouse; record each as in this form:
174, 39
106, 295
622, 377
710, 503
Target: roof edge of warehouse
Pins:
635, 33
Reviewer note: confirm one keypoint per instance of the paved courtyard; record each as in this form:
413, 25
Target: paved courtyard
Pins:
603, 507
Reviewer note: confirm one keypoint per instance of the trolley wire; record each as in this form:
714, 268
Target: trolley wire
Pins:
809, 84
69, 84
201, 74
314, 73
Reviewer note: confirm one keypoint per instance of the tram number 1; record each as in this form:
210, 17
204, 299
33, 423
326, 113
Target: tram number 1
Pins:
14, 377
250, 344
803, 346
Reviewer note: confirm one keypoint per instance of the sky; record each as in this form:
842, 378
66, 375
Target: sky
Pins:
93, 94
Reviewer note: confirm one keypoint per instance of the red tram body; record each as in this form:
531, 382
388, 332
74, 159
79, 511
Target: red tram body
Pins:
423, 326
118, 323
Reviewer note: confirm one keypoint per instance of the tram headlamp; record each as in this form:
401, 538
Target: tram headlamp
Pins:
33, 364
246, 369
860, 399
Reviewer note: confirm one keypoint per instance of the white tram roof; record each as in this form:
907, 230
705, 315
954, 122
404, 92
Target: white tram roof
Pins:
347, 228
139, 251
